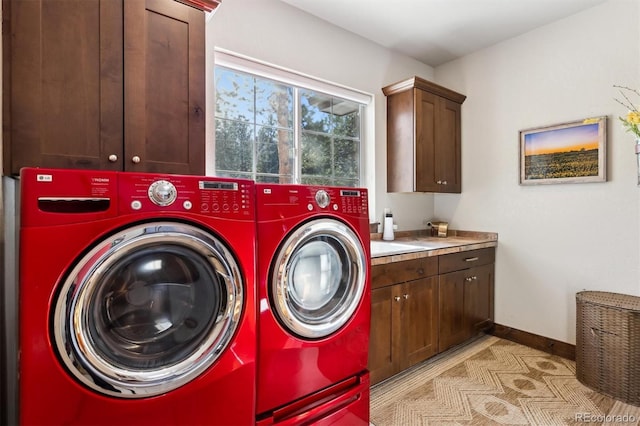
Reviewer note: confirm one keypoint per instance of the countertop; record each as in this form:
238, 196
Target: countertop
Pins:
420, 244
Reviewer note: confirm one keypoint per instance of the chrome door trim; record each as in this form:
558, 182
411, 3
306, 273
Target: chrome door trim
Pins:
279, 286
75, 344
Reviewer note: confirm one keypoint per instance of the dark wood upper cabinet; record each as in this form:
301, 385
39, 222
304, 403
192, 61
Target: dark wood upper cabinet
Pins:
63, 81
103, 84
164, 87
423, 137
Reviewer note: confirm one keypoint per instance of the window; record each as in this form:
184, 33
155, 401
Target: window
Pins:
276, 131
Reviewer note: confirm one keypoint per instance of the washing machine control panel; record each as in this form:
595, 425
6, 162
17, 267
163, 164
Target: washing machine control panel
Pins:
212, 196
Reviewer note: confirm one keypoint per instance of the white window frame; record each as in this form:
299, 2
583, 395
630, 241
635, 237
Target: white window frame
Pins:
234, 61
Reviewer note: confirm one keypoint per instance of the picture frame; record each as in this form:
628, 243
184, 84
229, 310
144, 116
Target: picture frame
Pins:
573, 152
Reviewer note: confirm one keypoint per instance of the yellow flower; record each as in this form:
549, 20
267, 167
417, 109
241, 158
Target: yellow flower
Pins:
633, 117
631, 122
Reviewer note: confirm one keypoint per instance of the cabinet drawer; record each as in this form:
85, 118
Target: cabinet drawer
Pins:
466, 259
406, 270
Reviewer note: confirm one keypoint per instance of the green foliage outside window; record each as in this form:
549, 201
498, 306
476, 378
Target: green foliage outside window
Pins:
256, 128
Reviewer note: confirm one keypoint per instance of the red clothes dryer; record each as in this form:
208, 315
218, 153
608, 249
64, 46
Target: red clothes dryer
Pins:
314, 305
137, 299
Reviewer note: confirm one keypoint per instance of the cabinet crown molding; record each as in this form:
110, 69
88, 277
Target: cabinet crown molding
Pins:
420, 83
206, 5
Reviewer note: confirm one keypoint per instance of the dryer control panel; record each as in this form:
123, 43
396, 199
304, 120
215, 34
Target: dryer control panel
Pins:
272, 199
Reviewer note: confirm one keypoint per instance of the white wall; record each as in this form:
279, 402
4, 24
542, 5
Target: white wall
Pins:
276, 33
554, 240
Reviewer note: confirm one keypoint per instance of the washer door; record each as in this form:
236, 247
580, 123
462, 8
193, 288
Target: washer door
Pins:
318, 278
148, 309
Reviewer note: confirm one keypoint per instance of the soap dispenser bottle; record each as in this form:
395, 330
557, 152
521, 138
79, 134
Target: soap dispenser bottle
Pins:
387, 230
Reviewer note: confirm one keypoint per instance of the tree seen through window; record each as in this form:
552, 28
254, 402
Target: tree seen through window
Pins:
273, 132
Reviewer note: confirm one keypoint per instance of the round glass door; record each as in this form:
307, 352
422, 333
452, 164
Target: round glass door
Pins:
318, 278
148, 309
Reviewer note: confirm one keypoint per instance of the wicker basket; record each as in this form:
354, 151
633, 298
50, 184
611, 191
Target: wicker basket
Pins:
608, 344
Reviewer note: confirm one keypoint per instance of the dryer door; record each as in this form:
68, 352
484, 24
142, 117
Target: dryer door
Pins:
148, 309
318, 278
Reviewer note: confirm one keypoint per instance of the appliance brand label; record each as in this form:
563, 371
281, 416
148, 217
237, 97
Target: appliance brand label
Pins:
44, 178
99, 180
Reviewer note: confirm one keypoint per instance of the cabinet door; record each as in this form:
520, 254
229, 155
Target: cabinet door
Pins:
438, 141
426, 105
415, 320
62, 84
380, 342
164, 87
478, 298
452, 310
447, 146
401, 155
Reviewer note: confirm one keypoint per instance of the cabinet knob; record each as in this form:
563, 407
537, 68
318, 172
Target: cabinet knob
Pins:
397, 298
439, 182
135, 159
444, 182
406, 296
472, 278
113, 158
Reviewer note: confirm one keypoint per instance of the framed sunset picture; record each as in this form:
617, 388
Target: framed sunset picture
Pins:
572, 152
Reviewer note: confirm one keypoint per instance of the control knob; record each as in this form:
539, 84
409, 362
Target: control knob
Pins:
162, 193
322, 198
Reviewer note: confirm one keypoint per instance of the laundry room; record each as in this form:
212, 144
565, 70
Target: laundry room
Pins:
297, 212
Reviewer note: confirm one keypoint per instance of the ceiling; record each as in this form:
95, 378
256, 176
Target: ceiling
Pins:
438, 31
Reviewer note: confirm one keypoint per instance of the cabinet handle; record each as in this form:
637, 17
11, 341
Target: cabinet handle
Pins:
420, 271
471, 259
397, 298
113, 158
135, 159
472, 278
406, 296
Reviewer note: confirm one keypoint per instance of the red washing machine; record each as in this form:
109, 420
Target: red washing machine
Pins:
314, 305
137, 299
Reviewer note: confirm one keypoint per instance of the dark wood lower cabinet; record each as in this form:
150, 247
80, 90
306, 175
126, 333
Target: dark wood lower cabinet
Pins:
404, 317
451, 296
466, 305
415, 321
381, 361
416, 313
